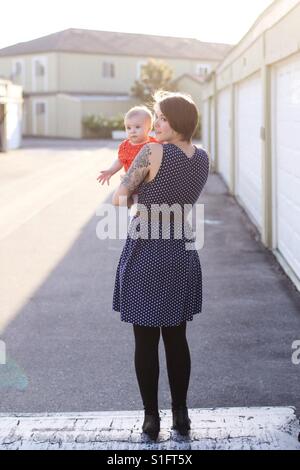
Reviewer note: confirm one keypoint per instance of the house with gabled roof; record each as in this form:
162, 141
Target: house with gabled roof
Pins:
74, 73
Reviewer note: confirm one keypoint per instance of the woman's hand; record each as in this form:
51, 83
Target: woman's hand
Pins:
105, 176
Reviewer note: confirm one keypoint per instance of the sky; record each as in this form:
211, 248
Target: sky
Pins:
224, 21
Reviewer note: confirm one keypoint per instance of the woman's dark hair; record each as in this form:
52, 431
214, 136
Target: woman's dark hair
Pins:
180, 110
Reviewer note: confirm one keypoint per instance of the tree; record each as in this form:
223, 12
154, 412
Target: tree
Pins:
155, 75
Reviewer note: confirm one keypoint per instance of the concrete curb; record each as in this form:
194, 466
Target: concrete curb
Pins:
267, 428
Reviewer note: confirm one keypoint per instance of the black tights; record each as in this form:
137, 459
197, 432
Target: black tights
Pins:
147, 364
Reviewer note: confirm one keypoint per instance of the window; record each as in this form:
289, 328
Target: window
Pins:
108, 70
39, 69
40, 108
202, 70
39, 74
18, 68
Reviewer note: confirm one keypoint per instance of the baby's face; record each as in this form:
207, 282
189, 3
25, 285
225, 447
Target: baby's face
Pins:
137, 128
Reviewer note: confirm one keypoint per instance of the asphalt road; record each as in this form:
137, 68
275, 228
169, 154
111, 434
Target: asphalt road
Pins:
67, 351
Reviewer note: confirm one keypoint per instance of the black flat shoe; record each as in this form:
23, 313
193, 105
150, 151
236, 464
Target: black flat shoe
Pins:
151, 426
181, 421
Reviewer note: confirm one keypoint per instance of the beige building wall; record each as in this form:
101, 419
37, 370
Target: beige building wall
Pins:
28, 79
83, 72
250, 62
69, 112
42, 115
71, 72
282, 39
108, 107
5, 68
190, 86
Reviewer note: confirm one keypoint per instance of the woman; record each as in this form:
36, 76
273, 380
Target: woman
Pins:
158, 286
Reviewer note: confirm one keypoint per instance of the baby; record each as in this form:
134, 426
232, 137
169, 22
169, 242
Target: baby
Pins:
138, 123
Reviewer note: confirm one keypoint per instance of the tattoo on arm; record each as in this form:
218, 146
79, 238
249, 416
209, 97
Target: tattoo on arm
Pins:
138, 169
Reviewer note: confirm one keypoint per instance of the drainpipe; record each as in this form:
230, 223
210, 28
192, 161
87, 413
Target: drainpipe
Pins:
266, 153
215, 95
232, 140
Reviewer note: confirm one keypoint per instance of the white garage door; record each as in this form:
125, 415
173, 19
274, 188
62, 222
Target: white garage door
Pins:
248, 146
287, 159
224, 156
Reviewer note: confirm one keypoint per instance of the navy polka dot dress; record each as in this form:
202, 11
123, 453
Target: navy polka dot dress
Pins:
158, 281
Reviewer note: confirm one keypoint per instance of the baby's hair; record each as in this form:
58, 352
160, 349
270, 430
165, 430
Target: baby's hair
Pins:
143, 110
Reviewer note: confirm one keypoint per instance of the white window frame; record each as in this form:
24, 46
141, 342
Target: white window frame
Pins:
22, 74
35, 102
139, 66
203, 66
44, 61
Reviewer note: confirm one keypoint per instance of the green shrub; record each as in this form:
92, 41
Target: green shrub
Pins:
100, 126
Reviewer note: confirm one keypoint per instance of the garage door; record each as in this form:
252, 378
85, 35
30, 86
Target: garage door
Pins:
224, 107
287, 159
248, 147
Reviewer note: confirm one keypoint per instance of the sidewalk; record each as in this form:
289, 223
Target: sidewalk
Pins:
216, 429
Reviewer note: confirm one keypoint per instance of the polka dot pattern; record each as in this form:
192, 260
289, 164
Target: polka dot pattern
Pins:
158, 281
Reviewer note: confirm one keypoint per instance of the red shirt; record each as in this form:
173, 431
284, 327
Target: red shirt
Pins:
127, 151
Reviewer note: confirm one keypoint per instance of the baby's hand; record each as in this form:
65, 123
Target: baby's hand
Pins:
104, 176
